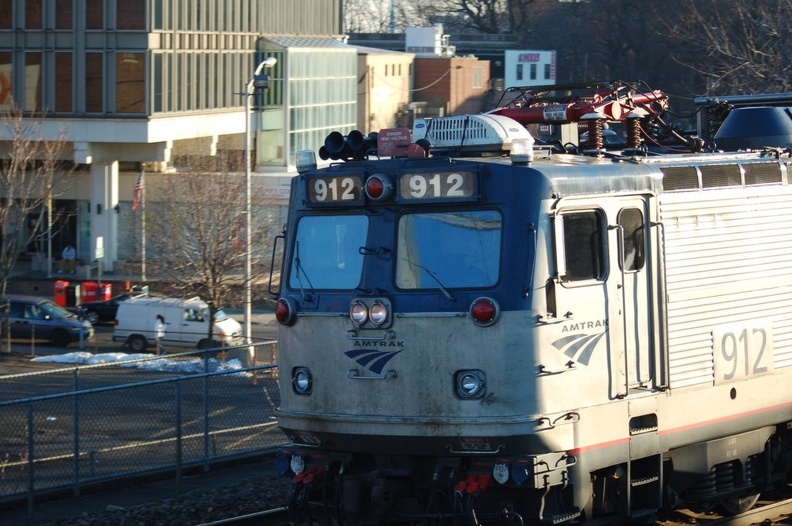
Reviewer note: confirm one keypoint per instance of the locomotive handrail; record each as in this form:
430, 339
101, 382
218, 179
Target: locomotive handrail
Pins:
476, 452
620, 249
352, 335
567, 418
543, 371
430, 314
354, 374
571, 461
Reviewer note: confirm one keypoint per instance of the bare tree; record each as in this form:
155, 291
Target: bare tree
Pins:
738, 46
366, 16
374, 16
196, 226
27, 170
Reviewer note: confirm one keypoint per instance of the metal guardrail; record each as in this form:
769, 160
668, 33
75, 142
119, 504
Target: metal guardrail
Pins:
92, 423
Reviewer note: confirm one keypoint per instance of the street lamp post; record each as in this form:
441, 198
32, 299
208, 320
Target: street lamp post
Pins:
257, 81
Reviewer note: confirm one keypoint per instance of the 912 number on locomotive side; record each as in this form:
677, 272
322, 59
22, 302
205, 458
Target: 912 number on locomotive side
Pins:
742, 352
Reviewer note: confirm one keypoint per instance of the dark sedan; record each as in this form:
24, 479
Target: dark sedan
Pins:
103, 311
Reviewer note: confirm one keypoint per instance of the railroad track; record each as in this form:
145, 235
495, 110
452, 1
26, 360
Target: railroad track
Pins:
767, 514
273, 517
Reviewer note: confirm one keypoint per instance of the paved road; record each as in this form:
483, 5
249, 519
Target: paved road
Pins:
15, 356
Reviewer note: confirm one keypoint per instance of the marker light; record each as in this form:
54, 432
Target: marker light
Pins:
379, 187
285, 311
471, 384
302, 381
378, 313
522, 150
297, 464
305, 161
358, 312
500, 472
519, 473
484, 311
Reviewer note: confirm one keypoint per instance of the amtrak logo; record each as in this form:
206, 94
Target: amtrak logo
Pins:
372, 358
580, 346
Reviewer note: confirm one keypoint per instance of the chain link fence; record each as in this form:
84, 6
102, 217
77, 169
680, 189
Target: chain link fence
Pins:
71, 427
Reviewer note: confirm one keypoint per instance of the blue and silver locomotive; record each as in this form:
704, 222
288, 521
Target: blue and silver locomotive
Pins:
497, 332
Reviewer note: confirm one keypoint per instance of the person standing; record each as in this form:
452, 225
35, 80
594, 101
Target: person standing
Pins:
159, 333
68, 258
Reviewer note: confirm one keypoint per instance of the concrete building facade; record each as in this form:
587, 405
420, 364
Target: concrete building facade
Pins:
129, 84
383, 88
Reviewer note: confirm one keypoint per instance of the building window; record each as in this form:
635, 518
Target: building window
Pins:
64, 100
547, 71
157, 83
64, 14
94, 14
130, 82
94, 74
6, 10
32, 81
157, 12
33, 14
6, 93
533, 71
478, 77
519, 71
131, 14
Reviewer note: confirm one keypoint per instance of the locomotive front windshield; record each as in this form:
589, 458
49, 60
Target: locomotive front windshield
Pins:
450, 249
327, 252
459, 249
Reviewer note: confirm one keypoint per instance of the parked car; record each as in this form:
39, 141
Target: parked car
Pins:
30, 317
186, 324
104, 311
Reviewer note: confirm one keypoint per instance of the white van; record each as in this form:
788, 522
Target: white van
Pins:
186, 324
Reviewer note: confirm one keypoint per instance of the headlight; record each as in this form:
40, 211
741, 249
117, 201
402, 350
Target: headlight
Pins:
358, 313
378, 313
302, 381
471, 384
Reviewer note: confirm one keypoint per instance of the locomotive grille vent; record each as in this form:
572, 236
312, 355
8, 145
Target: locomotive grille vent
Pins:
762, 173
680, 178
460, 128
721, 175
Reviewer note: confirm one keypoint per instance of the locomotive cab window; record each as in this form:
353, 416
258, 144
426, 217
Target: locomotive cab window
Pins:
579, 246
326, 253
449, 249
631, 225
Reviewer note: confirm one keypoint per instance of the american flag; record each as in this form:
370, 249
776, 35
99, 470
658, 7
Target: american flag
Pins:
138, 192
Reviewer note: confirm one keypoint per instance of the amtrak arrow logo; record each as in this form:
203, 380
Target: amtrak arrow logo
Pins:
372, 359
579, 344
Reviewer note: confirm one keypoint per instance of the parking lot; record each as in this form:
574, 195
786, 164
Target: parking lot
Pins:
263, 328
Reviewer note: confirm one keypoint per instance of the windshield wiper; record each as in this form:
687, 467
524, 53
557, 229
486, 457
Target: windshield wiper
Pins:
432, 275
298, 268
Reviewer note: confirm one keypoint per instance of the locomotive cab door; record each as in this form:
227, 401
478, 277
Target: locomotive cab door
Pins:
604, 275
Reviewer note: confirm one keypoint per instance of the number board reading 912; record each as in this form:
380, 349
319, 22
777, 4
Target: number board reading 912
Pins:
341, 189
438, 185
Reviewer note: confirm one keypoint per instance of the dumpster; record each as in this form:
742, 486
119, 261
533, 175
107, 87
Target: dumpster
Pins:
60, 292
105, 291
90, 291
72, 295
